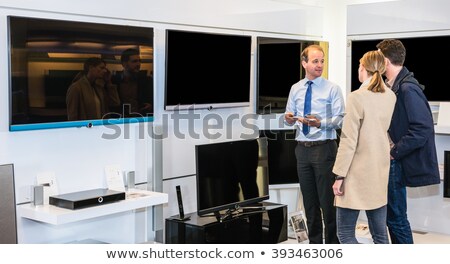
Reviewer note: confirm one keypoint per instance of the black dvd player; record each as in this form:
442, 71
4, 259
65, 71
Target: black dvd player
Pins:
83, 199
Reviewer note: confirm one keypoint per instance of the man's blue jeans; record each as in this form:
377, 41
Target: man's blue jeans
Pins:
397, 219
346, 223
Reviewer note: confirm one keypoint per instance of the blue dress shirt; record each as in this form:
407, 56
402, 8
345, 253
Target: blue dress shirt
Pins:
327, 104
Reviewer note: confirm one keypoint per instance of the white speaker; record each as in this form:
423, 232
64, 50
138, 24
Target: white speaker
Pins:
38, 194
131, 180
8, 225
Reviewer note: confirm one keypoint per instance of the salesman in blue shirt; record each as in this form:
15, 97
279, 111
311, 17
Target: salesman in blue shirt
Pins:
316, 106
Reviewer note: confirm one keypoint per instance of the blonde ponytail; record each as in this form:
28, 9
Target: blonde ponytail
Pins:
374, 63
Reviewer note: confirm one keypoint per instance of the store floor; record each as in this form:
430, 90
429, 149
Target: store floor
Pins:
363, 236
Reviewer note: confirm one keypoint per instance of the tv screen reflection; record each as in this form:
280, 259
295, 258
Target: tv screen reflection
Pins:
73, 71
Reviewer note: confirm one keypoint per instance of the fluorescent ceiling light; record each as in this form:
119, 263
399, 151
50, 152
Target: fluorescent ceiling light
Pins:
72, 55
91, 45
43, 44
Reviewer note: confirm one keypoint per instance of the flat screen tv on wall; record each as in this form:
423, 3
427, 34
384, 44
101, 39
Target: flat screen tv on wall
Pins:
231, 174
417, 61
45, 57
278, 68
207, 70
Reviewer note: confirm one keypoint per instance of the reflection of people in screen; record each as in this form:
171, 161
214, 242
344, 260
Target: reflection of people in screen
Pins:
91, 92
134, 86
244, 163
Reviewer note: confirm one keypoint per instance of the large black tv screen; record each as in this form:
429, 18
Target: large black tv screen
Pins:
281, 155
278, 68
205, 70
417, 61
231, 174
48, 56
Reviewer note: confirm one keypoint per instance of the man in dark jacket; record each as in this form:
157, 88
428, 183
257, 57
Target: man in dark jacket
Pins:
413, 153
134, 86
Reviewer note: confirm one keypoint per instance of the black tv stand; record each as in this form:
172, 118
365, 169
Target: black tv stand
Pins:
237, 212
256, 224
227, 215
248, 209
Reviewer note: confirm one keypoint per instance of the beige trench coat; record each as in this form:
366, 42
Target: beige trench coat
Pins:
363, 155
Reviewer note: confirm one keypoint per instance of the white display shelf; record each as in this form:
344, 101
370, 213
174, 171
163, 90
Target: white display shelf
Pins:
284, 186
444, 130
54, 215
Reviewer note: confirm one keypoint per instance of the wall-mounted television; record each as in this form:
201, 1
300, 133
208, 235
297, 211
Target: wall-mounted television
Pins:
231, 174
278, 68
45, 57
417, 61
281, 155
207, 70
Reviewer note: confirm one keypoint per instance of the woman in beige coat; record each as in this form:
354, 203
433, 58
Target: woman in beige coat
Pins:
362, 162
91, 93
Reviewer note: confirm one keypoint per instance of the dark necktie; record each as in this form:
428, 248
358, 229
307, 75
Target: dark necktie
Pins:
307, 107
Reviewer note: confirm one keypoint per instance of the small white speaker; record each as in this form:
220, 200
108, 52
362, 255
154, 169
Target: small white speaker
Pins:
131, 180
38, 194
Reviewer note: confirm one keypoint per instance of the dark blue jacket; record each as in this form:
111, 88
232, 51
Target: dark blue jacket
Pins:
412, 131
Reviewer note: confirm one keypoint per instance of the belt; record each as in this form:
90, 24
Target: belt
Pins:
309, 144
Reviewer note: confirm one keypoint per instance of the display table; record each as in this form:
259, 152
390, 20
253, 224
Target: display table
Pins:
266, 226
50, 214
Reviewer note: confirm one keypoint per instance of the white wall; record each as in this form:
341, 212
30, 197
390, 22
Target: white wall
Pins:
398, 17
253, 18
78, 156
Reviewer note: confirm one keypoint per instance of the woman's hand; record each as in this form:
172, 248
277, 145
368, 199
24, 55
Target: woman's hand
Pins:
338, 187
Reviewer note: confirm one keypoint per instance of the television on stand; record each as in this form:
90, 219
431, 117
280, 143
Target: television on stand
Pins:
281, 159
232, 177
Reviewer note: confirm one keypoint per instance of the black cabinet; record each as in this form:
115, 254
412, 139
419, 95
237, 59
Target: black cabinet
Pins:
266, 226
